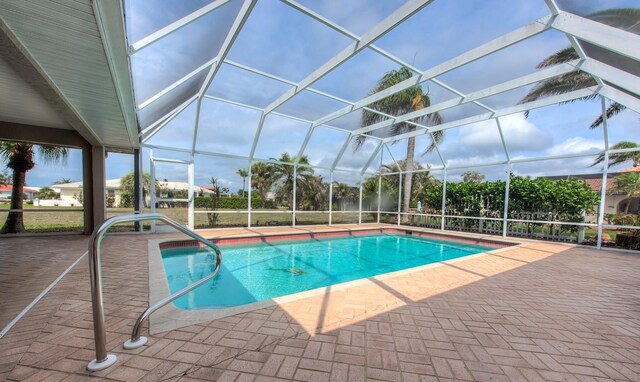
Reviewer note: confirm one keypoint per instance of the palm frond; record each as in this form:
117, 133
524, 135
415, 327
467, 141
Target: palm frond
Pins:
615, 159
51, 154
560, 57
612, 110
400, 103
627, 19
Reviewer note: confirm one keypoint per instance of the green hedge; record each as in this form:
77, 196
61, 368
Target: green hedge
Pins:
566, 197
233, 203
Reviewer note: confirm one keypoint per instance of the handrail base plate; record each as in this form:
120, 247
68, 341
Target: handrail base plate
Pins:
96, 366
129, 344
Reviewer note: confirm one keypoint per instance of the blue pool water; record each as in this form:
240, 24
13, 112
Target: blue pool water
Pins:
263, 271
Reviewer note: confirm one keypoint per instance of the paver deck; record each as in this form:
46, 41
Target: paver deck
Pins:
536, 312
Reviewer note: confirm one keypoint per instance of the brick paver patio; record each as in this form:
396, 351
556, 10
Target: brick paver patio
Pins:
537, 312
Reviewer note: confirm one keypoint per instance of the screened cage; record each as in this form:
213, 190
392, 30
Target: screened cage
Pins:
303, 97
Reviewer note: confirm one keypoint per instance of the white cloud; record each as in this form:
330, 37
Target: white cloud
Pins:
576, 145
480, 142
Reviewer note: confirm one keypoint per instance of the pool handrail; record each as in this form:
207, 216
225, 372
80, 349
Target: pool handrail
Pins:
104, 359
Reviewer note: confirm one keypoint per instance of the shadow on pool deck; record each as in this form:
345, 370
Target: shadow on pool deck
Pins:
541, 311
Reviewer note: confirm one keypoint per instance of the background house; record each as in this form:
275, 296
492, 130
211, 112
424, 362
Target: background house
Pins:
71, 192
616, 201
29, 192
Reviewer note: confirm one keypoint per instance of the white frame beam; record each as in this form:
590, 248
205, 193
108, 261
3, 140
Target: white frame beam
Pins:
404, 12
532, 78
613, 75
493, 46
174, 26
621, 97
500, 113
150, 131
602, 35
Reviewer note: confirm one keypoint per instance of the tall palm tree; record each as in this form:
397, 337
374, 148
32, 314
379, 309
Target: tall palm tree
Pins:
615, 159
628, 183
63, 181
315, 195
342, 192
19, 158
261, 178
622, 18
283, 176
406, 101
127, 185
243, 174
421, 179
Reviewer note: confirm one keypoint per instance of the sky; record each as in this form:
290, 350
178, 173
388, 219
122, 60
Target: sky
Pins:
286, 43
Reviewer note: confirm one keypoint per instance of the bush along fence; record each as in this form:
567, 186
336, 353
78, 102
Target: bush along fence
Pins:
532, 203
232, 203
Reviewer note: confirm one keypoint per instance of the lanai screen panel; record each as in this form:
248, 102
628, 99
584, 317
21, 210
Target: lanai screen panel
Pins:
269, 77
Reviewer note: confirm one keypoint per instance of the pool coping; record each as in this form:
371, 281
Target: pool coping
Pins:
169, 317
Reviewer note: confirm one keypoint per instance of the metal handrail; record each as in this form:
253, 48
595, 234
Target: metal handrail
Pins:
103, 359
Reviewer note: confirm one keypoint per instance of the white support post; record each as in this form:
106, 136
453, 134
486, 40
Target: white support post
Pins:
142, 200
303, 147
605, 168
295, 189
191, 199
330, 196
249, 200
399, 197
360, 208
152, 189
379, 197
603, 195
444, 200
505, 211
196, 126
502, 140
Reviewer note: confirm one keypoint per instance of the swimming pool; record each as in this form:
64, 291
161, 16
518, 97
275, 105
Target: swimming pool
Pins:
266, 270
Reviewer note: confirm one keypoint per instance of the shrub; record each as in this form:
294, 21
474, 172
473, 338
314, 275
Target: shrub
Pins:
233, 203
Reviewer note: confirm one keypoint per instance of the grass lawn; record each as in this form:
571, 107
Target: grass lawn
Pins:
71, 219
592, 233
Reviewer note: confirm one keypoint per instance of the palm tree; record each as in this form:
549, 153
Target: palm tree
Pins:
472, 177
5, 178
622, 18
628, 183
244, 174
261, 178
422, 179
342, 193
127, 184
615, 159
406, 101
283, 176
19, 157
315, 195
63, 181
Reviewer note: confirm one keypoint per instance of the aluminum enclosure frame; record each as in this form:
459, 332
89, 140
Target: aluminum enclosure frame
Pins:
612, 83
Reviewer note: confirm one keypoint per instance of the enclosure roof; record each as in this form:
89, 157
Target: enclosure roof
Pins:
242, 78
